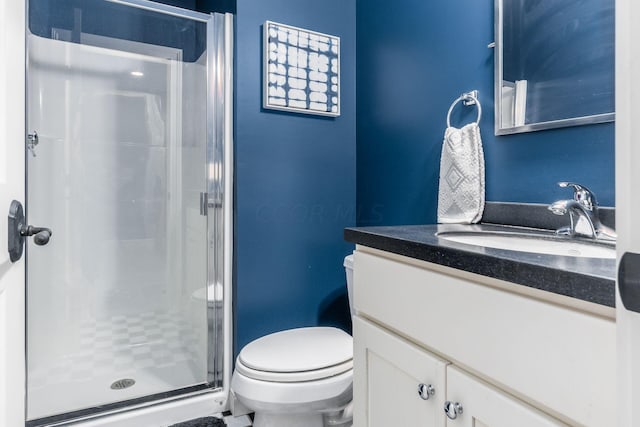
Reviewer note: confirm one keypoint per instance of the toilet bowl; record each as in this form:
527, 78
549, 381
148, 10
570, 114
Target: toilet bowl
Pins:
298, 377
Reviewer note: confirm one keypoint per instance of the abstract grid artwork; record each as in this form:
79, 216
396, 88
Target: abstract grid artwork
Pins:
301, 70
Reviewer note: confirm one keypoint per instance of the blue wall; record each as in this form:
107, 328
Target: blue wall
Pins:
295, 183
205, 6
208, 6
414, 59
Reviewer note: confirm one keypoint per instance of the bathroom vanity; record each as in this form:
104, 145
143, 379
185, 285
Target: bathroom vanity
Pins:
451, 334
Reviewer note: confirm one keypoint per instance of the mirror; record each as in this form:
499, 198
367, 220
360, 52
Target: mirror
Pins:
554, 64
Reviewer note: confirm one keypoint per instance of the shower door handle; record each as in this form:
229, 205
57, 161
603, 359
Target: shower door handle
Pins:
18, 230
41, 235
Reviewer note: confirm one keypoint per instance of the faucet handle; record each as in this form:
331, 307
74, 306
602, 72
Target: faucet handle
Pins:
581, 194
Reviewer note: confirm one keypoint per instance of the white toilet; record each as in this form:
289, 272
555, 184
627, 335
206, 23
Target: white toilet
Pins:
299, 377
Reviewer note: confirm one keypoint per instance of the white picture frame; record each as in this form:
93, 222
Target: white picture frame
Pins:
301, 70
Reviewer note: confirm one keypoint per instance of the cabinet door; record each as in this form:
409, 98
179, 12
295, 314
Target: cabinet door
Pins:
392, 379
484, 406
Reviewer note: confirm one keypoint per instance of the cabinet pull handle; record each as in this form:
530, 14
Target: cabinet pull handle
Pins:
426, 391
452, 409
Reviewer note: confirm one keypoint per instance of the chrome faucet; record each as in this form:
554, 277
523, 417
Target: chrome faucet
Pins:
583, 214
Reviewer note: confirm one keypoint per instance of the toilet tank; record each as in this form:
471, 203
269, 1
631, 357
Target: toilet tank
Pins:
348, 268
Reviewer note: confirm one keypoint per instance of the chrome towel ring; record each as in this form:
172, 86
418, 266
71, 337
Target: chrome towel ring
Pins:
469, 98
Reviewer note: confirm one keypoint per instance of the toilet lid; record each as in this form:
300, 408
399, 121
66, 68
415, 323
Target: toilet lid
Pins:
298, 350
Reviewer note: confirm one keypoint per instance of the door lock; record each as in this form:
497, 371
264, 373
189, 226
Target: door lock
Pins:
18, 230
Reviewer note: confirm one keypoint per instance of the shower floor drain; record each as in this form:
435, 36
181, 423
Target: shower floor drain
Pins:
122, 384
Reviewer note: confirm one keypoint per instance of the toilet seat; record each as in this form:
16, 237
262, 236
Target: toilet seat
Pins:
298, 351
292, 377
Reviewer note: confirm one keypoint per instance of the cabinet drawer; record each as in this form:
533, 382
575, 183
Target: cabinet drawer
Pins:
387, 374
558, 359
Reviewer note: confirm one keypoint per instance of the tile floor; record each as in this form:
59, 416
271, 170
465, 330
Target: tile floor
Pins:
159, 350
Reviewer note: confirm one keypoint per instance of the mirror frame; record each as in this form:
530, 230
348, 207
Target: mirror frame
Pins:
497, 83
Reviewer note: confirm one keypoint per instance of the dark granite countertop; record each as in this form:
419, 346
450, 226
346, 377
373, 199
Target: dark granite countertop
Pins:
588, 279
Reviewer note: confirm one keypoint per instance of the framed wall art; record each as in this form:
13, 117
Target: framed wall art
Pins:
301, 70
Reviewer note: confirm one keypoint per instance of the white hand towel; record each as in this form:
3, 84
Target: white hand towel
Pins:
461, 189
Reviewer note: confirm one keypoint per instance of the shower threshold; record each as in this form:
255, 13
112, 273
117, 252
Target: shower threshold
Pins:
131, 404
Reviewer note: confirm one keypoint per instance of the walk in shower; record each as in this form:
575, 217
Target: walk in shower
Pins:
128, 116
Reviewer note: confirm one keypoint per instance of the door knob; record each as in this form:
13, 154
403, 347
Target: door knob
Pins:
452, 409
18, 230
629, 281
426, 391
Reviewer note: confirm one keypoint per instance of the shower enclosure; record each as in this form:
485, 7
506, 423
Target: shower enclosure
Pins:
128, 163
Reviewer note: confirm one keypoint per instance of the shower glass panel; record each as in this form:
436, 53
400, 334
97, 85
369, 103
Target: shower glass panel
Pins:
117, 301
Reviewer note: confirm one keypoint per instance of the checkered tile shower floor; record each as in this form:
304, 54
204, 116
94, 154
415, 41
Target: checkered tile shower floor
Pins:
159, 351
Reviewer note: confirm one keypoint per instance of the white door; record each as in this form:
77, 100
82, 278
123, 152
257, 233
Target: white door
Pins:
12, 134
472, 403
628, 210
395, 383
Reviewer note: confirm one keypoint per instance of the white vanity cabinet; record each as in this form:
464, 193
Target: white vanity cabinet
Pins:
399, 384
510, 360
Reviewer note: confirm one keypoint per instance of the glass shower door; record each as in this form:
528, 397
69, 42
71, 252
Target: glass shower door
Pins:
117, 117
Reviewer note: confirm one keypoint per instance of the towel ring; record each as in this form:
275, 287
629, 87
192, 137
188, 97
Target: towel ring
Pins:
465, 97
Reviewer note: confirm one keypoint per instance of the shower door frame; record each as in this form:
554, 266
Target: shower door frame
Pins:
216, 205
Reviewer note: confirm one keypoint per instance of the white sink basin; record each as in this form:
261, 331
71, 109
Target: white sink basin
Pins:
532, 244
